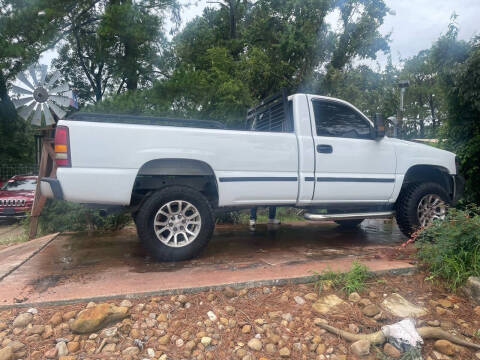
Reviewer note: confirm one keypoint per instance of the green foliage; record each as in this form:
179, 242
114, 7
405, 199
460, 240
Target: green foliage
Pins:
58, 216
352, 281
450, 249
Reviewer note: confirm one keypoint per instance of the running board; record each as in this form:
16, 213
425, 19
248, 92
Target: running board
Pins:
349, 216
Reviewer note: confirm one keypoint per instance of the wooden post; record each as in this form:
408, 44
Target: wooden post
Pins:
47, 161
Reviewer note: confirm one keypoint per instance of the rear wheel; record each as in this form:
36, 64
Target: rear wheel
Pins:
419, 204
349, 224
175, 223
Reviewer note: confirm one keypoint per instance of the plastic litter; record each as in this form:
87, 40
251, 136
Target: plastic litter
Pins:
404, 336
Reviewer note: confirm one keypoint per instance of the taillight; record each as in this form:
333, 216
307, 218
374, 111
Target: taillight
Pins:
62, 144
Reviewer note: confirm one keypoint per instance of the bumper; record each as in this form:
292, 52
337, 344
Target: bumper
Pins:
458, 188
5, 214
50, 188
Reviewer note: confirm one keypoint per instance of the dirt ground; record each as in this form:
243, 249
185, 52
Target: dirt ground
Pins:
281, 318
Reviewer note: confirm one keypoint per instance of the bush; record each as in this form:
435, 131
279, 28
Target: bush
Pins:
450, 249
58, 216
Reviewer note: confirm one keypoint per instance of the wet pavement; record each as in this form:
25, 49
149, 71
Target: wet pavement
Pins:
82, 266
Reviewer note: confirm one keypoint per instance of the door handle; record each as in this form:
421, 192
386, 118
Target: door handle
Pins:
325, 149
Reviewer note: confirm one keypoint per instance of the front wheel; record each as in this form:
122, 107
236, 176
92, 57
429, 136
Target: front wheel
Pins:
349, 224
175, 223
419, 204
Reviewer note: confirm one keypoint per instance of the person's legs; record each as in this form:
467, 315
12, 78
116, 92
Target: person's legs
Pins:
272, 212
253, 217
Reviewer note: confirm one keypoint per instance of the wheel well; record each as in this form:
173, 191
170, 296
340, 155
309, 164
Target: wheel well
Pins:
160, 173
429, 173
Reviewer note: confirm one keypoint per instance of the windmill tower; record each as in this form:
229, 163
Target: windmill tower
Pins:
39, 99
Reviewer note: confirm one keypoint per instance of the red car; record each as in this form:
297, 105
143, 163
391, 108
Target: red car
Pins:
16, 196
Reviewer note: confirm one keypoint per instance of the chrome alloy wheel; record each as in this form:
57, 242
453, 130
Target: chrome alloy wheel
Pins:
177, 223
431, 207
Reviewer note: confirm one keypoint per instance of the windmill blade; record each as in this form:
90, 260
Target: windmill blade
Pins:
59, 112
26, 111
37, 117
60, 100
43, 73
21, 102
56, 75
60, 89
49, 120
20, 90
33, 74
21, 76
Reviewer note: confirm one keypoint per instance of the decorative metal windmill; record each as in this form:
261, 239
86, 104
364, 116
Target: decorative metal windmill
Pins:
44, 98
41, 96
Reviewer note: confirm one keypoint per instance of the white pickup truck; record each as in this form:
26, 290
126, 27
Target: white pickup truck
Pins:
312, 152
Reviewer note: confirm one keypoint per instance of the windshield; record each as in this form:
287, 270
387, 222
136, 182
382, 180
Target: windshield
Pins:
23, 184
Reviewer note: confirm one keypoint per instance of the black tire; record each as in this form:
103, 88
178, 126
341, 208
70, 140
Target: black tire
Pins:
146, 215
407, 203
349, 224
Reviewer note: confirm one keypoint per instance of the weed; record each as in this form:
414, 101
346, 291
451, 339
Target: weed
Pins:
352, 281
450, 249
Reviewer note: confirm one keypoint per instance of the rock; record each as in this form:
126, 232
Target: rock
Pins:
109, 332
95, 318
51, 354
371, 310
364, 302
35, 329
435, 323
6, 353
109, 348
179, 343
32, 311
361, 347
15, 345
299, 300
400, 307
391, 351
126, 303
472, 288
73, 346
229, 292
69, 315
164, 340
445, 303
477, 310
354, 297
372, 294
353, 328
246, 329
439, 356
22, 320
445, 347
284, 352
206, 340
477, 355
320, 349
36, 355
440, 310
270, 348
311, 296
150, 353
61, 348
211, 315
56, 319
327, 304
182, 299
131, 350
255, 344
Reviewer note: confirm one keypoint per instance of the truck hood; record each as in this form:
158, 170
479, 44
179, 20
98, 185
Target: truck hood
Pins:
17, 194
410, 153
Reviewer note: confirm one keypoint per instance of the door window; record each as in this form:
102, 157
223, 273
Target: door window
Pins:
339, 120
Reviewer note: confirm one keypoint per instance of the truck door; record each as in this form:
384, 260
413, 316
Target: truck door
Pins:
350, 166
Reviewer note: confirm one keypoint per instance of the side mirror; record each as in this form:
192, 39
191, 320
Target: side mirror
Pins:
379, 126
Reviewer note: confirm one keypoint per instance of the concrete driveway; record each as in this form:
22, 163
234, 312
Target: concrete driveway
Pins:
73, 267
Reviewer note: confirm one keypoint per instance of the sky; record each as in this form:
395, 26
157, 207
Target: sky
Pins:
414, 24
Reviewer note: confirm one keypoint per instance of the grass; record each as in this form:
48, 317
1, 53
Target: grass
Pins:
13, 234
352, 281
450, 249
